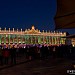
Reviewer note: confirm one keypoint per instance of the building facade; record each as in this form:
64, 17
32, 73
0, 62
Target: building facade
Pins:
31, 36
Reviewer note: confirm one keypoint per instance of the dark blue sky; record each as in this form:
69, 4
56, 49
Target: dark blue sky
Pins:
25, 13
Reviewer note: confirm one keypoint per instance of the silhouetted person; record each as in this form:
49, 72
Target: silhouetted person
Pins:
1, 57
6, 55
13, 55
42, 52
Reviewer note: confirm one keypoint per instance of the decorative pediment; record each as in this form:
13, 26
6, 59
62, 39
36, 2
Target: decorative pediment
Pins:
32, 31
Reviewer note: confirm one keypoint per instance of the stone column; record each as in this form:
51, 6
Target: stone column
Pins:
35, 39
13, 38
39, 39
0, 39
49, 39
31, 39
4, 39
52, 40
17, 38
9, 39
25, 39
21, 39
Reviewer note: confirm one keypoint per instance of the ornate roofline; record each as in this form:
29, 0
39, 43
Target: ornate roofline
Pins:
32, 30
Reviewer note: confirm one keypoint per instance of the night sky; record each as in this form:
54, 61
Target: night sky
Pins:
25, 13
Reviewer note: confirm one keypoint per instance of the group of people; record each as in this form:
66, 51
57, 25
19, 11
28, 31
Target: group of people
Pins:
35, 52
6, 54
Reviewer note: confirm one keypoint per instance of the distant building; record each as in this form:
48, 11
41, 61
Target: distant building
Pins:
73, 42
31, 36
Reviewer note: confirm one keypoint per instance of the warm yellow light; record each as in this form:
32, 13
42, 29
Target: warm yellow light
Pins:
33, 27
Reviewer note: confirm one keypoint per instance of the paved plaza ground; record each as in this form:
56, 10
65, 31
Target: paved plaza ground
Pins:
57, 66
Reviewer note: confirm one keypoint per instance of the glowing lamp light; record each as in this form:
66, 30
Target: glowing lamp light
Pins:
73, 45
33, 27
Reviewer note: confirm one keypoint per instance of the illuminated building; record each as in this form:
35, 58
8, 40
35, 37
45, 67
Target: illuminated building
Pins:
31, 36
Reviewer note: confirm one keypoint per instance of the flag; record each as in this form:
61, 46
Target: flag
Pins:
65, 14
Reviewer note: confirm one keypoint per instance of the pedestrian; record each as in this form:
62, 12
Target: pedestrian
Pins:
6, 55
1, 57
13, 55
